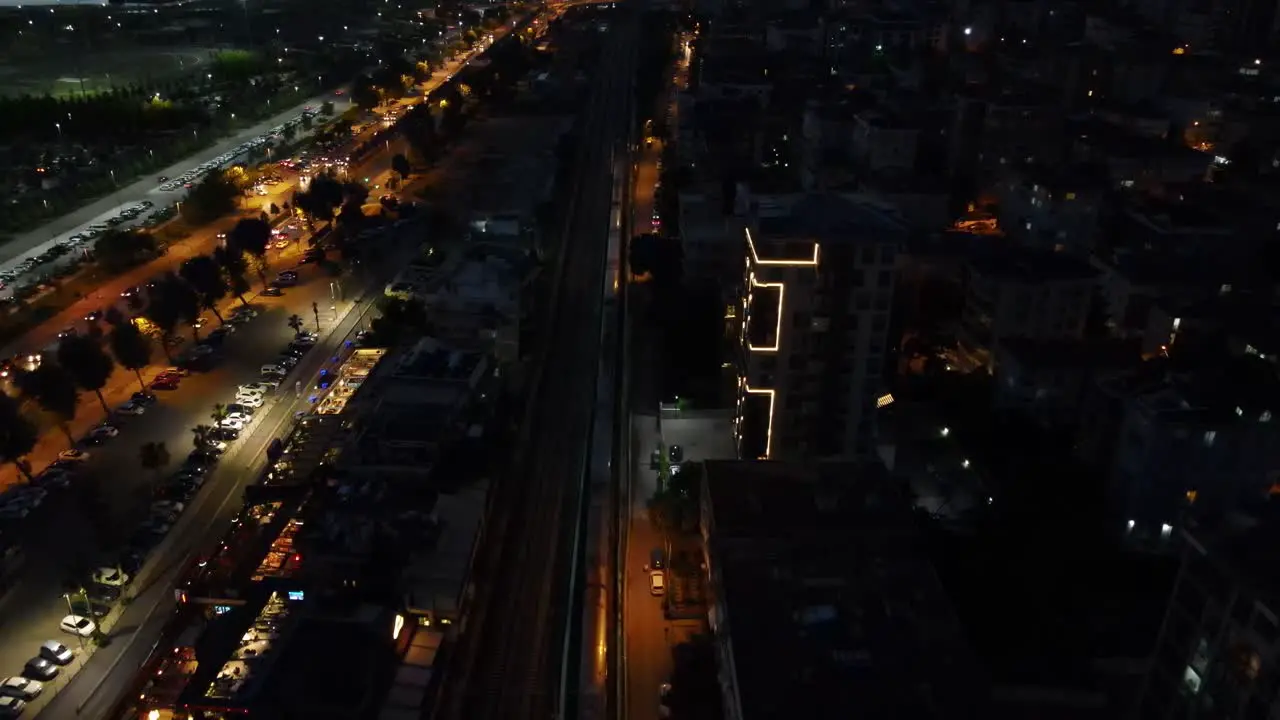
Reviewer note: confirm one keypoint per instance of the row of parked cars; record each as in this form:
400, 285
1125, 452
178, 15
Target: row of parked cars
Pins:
189, 178
72, 242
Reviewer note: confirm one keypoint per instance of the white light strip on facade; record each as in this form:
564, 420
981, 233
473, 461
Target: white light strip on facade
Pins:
777, 333
768, 442
755, 257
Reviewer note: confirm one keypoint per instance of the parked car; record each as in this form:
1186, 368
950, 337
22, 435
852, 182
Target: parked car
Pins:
56, 652
77, 625
12, 707
21, 688
110, 576
40, 669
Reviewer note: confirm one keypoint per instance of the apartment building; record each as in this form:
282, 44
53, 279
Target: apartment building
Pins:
1015, 292
1216, 656
1175, 442
816, 292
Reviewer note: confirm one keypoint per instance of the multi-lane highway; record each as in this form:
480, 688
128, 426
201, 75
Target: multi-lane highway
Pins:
513, 661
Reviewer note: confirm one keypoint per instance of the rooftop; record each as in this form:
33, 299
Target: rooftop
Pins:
430, 359
1014, 263
820, 565
827, 217
1093, 354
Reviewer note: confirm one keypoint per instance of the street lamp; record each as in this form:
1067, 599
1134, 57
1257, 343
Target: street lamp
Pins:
59, 127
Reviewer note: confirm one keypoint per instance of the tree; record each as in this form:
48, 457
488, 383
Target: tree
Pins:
119, 250
274, 209
400, 319
326, 107
54, 390
400, 164
213, 197
162, 312
204, 276
251, 236
131, 349
296, 323
233, 271
17, 435
364, 94
154, 456
200, 436
88, 364
219, 413
186, 299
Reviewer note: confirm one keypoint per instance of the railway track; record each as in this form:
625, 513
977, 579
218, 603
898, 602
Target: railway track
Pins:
509, 660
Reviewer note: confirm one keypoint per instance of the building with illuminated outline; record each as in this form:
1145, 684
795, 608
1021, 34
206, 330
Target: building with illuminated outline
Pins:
816, 294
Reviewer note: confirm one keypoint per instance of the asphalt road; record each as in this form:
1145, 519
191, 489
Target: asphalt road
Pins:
508, 664
649, 636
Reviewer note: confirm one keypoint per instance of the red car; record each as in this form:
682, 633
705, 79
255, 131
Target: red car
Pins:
165, 382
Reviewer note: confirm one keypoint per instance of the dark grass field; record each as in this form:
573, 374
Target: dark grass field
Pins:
62, 72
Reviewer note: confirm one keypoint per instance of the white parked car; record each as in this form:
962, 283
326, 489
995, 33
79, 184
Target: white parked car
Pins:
74, 455
110, 576
233, 423
105, 431
12, 707
273, 370
250, 401
77, 625
260, 388
21, 688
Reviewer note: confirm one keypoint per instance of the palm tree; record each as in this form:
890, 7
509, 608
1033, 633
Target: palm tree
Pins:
219, 413
87, 363
131, 348
17, 435
200, 436
296, 323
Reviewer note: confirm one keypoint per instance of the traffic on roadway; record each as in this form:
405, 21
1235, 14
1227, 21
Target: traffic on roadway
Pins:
158, 475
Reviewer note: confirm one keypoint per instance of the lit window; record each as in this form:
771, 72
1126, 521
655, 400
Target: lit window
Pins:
1209, 437
1265, 416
